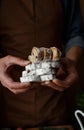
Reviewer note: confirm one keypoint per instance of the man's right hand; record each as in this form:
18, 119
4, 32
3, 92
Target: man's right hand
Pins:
6, 80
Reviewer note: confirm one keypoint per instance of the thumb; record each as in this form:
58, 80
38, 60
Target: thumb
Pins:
18, 61
61, 74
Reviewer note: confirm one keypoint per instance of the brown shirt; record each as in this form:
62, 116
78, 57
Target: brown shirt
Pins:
24, 24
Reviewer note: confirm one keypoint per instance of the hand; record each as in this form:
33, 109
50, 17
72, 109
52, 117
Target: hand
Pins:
6, 80
65, 77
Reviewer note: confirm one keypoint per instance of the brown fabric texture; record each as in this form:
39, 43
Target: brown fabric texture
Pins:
23, 25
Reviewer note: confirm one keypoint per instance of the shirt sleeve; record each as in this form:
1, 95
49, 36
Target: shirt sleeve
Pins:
73, 30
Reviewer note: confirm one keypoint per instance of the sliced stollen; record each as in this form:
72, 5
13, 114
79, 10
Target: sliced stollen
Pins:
30, 78
30, 67
44, 64
47, 77
56, 53
44, 71
26, 73
50, 64
36, 54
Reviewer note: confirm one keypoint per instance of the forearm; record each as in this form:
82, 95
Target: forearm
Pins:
75, 53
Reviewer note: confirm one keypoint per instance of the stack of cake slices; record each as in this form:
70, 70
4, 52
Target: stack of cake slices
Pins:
42, 67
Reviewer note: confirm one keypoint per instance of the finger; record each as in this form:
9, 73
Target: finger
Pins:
16, 60
52, 85
61, 83
21, 90
9, 83
18, 85
72, 78
67, 82
61, 74
17, 91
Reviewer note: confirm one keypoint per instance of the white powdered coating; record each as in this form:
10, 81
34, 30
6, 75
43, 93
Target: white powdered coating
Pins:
30, 78
47, 77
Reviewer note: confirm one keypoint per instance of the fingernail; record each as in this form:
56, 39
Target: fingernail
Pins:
46, 82
26, 62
